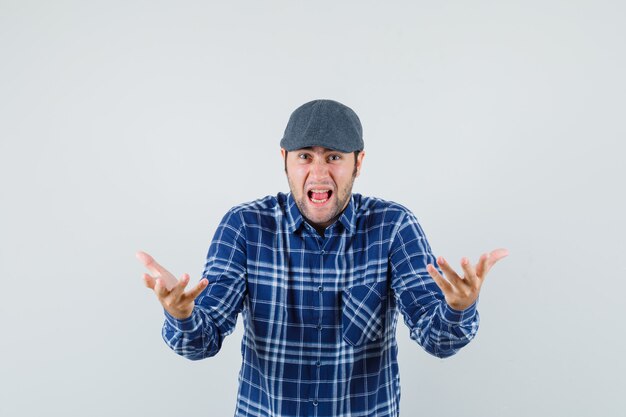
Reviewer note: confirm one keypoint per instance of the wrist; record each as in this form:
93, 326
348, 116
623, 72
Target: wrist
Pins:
455, 315
179, 315
185, 324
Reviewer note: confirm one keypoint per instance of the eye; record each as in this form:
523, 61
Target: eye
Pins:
334, 157
303, 156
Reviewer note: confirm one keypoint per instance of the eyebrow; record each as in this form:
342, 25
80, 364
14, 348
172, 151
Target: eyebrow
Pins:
310, 149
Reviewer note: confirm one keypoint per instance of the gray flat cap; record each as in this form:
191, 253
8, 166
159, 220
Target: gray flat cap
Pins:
325, 123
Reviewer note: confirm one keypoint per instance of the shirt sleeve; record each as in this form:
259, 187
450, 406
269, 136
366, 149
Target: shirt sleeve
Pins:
434, 325
215, 312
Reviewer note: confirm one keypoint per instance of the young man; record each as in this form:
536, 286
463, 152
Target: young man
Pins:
319, 275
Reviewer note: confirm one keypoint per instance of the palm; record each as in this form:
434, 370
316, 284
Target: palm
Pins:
170, 291
461, 292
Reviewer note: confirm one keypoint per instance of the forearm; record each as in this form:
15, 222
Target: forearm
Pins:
433, 324
214, 315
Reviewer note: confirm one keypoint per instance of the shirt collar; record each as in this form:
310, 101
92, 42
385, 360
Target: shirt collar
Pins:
295, 219
348, 217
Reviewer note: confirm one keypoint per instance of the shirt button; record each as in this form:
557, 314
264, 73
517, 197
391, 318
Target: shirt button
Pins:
323, 252
315, 403
320, 288
319, 327
318, 364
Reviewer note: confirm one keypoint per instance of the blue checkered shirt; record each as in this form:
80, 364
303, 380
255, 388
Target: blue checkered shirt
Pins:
319, 313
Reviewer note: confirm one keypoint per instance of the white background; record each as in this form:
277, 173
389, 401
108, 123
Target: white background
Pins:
135, 125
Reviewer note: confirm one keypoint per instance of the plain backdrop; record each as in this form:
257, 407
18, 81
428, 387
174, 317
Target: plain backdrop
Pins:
134, 125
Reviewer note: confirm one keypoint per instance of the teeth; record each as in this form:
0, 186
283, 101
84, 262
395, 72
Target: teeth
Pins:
318, 191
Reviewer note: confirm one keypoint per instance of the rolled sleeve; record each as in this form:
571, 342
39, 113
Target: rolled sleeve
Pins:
433, 324
190, 324
216, 309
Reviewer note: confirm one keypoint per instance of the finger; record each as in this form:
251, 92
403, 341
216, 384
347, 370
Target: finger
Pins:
450, 274
441, 282
150, 263
157, 270
149, 281
498, 254
180, 286
195, 291
470, 277
494, 257
159, 289
481, 266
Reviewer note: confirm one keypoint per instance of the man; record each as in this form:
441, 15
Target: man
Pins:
319, 275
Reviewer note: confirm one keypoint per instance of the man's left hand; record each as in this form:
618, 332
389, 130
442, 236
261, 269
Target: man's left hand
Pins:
461, 292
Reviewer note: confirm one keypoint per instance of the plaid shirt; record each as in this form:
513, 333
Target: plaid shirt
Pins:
320, 313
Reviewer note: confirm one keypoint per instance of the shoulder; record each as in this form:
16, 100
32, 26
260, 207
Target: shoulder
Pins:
258, 206
381, 218
390, 220
378, 207
257, 211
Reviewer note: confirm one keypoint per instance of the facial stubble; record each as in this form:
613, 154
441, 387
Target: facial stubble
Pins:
339, 206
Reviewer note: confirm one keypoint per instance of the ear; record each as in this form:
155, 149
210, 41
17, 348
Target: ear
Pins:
359, 162
283, 154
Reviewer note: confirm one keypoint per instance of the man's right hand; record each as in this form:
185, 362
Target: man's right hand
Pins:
170, 291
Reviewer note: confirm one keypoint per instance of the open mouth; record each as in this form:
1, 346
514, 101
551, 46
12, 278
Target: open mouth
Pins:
319, 197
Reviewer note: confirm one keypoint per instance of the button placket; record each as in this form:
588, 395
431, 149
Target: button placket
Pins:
318, 363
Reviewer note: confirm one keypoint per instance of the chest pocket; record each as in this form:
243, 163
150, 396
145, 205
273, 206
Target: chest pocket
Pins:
363, 316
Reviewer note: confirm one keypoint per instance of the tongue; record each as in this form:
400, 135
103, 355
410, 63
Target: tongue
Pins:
320, 196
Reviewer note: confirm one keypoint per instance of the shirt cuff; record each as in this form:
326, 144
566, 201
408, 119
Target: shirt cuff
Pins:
454, 316
189, 324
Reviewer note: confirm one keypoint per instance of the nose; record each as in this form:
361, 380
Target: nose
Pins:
319, 170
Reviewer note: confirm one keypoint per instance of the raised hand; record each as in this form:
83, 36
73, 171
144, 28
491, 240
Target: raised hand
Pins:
461, 292
169, 290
